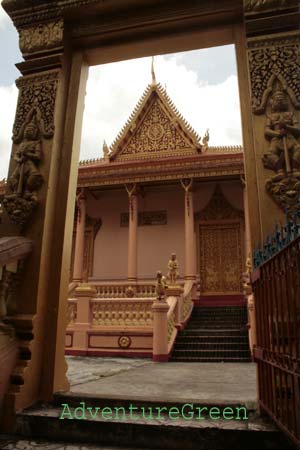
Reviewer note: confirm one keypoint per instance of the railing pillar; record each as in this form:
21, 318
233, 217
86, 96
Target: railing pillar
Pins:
177, 291
83, 294
160, 330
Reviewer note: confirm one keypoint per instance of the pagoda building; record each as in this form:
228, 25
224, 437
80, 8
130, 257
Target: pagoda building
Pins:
159, 190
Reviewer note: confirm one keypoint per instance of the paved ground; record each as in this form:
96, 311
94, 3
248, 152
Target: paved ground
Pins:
142, 379
23, 444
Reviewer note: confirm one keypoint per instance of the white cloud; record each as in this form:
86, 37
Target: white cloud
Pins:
4, 18
8, 102
114, 89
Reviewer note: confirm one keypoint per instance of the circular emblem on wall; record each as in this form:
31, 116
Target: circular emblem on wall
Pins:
155, 131
124, 341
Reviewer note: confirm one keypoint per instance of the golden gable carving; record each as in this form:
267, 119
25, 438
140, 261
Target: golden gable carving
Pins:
156, 134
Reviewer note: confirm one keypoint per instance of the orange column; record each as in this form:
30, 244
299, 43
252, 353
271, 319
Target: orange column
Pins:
79, 242
132, 233
190, 251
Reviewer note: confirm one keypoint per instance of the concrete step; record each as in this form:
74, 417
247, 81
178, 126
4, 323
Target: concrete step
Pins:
212, 339
214, 332
211, 359
211, 345
44, 422
207, 353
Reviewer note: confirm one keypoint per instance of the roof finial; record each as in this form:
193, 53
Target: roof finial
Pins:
153, 73
105, 150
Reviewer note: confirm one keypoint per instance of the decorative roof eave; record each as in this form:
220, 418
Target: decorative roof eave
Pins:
142, 103
125, 172
220, 150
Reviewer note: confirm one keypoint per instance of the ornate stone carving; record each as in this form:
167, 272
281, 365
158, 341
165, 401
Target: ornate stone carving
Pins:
160, 286
274, 60
9, 282
44, 36
283, 155
260, 5
37, 95
173, 273
122, 312
124, 342
21, 197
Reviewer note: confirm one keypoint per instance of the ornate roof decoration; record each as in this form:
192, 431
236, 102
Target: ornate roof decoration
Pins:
155, 129
2, 187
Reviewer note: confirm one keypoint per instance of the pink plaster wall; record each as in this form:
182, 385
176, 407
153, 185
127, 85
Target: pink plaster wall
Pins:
110, 250
155, 242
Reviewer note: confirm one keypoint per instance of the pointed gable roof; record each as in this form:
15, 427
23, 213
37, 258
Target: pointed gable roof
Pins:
155, 129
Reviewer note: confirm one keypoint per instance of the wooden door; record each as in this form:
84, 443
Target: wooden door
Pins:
220, 258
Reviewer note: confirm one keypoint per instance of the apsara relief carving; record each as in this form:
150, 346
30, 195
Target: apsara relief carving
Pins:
25, 179
283, 153
34, 121
274, 64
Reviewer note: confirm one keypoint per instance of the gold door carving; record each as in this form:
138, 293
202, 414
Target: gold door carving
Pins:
220, 258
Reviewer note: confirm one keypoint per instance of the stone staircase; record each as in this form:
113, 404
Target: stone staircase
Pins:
43, 422
214, 334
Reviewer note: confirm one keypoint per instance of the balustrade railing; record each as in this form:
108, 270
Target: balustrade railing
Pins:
128, 312
171, 318
125, 290
187, 299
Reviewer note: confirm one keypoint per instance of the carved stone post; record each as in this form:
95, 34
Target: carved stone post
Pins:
248, 251
132, 232
39, 202
273, 159
190, 251
160, 310
80, 234
83, 293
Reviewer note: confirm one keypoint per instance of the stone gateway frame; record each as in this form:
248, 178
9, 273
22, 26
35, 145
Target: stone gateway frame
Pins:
59, 40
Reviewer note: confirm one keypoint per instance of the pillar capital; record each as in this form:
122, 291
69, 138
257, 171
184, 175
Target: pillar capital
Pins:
132, 189
187, 184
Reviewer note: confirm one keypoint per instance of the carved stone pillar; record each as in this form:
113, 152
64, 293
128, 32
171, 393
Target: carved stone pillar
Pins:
248, 251
39, 202
190, 250
273, 166
132, 232
80, 237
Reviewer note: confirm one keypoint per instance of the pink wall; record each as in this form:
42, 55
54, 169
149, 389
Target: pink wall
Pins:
155, 242
110, 251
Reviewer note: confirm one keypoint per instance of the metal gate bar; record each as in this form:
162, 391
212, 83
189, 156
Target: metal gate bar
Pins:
276, 287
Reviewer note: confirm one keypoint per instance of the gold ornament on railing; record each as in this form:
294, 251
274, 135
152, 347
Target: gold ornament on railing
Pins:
173, 273
160, 286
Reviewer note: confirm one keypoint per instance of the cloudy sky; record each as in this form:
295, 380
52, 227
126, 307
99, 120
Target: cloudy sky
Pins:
202, 84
